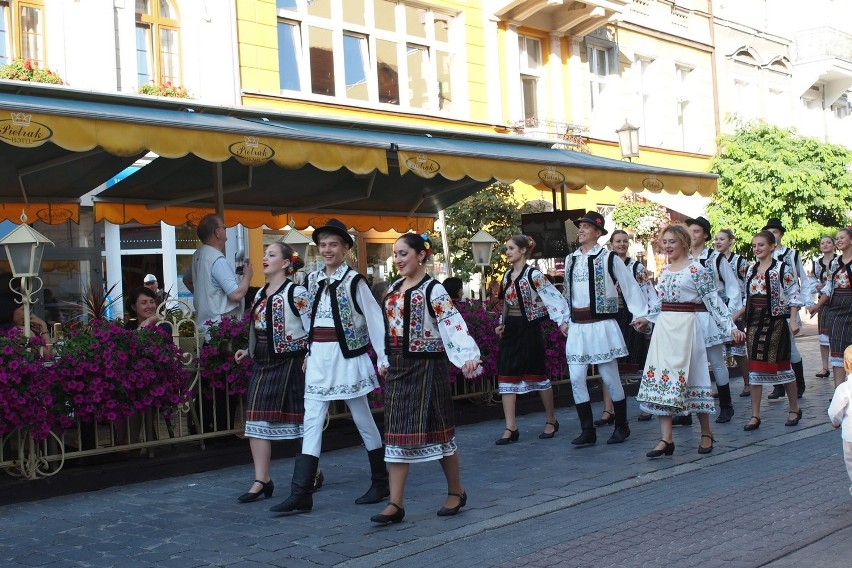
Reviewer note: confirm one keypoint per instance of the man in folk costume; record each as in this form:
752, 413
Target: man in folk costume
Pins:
793, 259
728, 290
345, 320
594, 338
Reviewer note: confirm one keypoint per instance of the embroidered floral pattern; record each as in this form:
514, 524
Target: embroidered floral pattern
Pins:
343, 391
595, 358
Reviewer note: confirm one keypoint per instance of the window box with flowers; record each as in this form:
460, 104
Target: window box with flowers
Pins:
109, 373
167, 89
219, 370
28, 70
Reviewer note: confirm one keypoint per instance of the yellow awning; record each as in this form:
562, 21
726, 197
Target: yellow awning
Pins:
50, 213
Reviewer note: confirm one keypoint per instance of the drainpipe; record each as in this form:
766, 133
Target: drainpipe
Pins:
713, 73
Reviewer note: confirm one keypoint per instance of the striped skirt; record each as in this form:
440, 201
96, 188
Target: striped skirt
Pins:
419, 423
275, 407
768, 341
838, 324
520, 368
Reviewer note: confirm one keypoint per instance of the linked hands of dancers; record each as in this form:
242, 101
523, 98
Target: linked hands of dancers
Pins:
499, 329
563, 327
639, 324
738, 336
472, 368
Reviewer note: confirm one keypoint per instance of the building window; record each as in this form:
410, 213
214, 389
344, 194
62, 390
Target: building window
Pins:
157, 42
602, 64
378, 51
841, 108
684, 98
529, 51
644, 89
22, 31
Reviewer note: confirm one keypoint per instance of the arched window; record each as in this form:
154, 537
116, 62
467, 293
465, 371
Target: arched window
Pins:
22, 31
157, 42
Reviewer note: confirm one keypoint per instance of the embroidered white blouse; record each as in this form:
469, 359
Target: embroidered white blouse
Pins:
554, 302
459, 346
633, 296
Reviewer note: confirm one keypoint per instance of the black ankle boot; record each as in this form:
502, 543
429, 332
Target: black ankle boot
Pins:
301, 487
622, 430
726, 406
799, 372
588, 437
379, 488
778, 393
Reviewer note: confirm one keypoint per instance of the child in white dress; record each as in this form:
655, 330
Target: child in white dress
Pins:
840, 411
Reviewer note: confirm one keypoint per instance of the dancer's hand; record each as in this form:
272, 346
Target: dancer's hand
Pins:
499, 329
794, 326
383, 370
240, 354
563, 327
639, 324
470, 368
737, 336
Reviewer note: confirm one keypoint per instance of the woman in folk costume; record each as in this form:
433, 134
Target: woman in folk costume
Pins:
724, 242
836, 304
423, 330
771, 314
528, 298
728, 288
821, 274
278, 341
676, 380
592, 277
345, 321
637, 342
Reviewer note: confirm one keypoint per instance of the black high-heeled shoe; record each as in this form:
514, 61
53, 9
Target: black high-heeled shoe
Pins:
750, 427
667, 450
823, 374
266, 490
450, 511
548, 435
393, 518
707, 450
795, 422
513, 437
644, 417
604, 421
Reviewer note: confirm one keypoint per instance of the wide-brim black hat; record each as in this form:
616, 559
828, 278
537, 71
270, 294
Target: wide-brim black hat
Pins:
774, 223
336, 227
703, 223
592, 218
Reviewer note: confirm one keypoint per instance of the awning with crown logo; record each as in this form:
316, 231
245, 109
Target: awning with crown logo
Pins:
263, 168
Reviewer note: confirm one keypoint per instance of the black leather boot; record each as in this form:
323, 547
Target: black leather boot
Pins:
622, 430
379, 489
588, 436
726, 406
799, 372
777, 393
302, 486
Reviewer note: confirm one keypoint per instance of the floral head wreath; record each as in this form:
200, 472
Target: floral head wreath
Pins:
530, 242
427, 244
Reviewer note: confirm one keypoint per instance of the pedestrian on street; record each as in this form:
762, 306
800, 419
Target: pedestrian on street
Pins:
771, 314
423, 330
278, 342
528, 298
793, 259
676, 380
821, 274
724, 242
837, 299
840, 411
637, 342
345, 321
730, 295
592, 275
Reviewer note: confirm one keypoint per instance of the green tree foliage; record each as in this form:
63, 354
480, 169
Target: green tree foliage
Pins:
495, 209
766, 171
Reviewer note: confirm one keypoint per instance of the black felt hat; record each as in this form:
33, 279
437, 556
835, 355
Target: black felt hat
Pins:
774, 223
336, 227
592, 218
703, 223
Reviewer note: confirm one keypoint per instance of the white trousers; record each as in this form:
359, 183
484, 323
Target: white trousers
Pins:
315, 412
716, 357
609, 375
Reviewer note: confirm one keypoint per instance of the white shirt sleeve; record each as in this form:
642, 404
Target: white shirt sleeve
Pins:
375, 322
732, 286
459, 346
634, 297
557, 307
303, 305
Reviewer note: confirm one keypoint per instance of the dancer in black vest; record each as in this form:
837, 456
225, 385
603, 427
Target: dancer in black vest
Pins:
821, 274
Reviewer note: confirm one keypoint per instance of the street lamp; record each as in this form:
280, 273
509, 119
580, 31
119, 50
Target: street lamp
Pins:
482, 244
298, 242
628, 141
24, 248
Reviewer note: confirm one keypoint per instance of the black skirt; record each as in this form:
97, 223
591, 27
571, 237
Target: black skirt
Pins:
276, 391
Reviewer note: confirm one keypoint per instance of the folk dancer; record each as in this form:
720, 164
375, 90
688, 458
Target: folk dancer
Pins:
591, 276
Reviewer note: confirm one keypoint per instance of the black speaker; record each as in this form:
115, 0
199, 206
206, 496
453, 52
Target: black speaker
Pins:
554, 232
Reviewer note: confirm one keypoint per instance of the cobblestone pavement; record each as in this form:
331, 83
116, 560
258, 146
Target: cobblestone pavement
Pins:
777, 496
